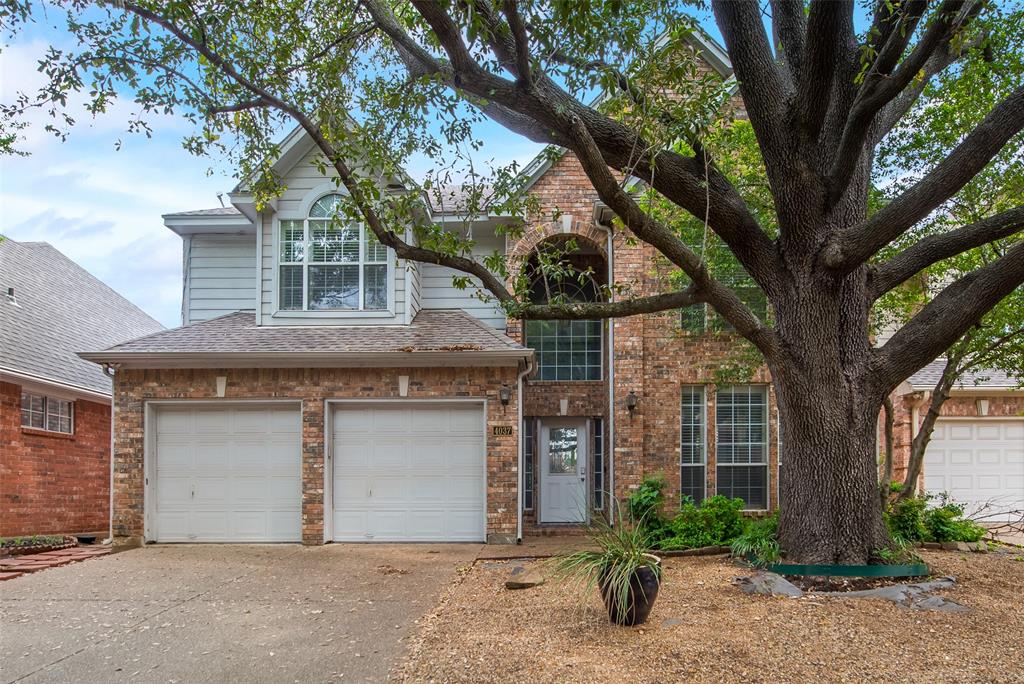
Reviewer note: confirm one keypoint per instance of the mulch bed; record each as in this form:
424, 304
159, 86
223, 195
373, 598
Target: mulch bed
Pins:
704, 629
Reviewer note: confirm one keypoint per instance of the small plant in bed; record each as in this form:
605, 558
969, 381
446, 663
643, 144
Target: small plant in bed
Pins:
716, 521
34, 543
915, 520
621, 568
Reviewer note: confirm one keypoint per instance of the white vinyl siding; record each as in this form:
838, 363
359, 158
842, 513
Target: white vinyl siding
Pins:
439, 293
219, 276
303, 181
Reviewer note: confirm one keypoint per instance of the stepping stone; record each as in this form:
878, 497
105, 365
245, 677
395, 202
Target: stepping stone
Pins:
521, 578
9, 575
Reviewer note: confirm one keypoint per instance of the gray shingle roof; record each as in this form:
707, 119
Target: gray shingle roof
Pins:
434, 330
61, 309
930, 374
216, 211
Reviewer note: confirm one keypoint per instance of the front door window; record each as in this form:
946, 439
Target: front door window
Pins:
563, 486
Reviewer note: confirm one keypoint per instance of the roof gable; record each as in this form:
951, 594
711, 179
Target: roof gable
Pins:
59, 309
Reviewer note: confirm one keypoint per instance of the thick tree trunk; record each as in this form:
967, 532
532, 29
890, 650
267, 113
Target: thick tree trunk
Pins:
831, 511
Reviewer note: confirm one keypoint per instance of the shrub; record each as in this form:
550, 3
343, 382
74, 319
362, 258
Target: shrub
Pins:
645, 506
759, 541
906, 519
718, 520
33, 540
946, 523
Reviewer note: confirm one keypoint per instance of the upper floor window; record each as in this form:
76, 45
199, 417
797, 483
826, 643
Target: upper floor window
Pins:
566, 350
701, 317
47, 413
328, 264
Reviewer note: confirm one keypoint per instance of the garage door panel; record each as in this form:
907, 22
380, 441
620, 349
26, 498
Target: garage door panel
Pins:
426, 477
978, 461
228, 474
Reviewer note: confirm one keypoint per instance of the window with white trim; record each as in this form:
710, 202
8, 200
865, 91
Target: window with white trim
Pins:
47, 413
328, 264
692, 445
741, 429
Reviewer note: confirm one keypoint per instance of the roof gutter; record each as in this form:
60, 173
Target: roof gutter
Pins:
395, 359
20, 377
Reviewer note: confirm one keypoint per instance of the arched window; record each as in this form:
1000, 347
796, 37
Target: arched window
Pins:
330, 264
567, 350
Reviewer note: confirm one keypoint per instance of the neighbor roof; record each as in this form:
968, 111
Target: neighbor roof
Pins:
59, 309
926, 378
235, 340
216, 211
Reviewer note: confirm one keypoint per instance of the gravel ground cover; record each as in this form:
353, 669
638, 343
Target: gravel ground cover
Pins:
703, 629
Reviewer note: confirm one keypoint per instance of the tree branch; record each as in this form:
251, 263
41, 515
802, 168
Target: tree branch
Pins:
826, 36
789, 26
856, 245
617, 309
245, 105
654, 233
946, 318
935, 248
522, 45
880, 87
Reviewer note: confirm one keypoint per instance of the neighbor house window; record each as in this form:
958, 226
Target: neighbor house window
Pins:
47, 413
328, 264
741, 427
692, 445
566, 350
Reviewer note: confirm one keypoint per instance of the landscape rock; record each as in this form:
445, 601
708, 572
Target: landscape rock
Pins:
913, 596
521, 578
767, 584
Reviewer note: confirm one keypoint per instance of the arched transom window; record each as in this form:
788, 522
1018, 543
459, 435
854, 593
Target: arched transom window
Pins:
328, 263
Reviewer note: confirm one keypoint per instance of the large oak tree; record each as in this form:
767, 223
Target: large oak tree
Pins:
377, 82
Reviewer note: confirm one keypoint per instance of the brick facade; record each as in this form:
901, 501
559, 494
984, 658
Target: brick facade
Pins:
52, 483
653, 357
133, 388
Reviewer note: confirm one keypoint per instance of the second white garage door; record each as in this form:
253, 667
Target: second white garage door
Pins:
413, 472
978, 461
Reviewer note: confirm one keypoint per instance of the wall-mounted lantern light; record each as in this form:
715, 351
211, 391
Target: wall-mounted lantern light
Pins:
505, 394
631, 401
982, 405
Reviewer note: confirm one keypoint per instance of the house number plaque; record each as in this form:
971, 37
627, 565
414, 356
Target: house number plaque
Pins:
501, 430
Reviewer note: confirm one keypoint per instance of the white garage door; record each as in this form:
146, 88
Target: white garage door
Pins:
978, 462
228, 474
409, 473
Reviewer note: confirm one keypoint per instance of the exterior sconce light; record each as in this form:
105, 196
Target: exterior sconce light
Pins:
982, 405
505, 394
631, 401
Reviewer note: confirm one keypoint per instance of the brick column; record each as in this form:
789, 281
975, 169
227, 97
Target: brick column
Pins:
313, 471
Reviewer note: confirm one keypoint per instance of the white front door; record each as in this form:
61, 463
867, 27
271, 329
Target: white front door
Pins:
229, 473
563, 471
979, 461
409, 472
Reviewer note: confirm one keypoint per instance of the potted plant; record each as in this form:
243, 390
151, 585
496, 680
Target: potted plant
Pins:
621, 568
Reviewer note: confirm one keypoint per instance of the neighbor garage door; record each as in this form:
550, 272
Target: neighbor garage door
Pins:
409, 473
977, 461
227, 474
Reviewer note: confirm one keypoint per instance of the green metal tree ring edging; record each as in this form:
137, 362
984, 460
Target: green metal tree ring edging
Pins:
914, 570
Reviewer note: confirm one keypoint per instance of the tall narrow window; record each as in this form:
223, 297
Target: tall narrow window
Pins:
328, 264
598, 464
741, 426
528, 455
693, 445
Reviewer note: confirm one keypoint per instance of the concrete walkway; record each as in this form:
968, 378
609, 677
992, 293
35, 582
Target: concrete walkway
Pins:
220, 613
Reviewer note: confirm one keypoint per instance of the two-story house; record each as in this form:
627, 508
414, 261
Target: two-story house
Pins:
322, 390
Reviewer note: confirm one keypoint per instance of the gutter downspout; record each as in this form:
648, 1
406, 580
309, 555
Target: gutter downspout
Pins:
610, 445
109, 370
519, 431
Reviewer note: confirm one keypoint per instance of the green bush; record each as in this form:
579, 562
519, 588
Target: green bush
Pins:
906, 519
914, 520
946, 523
645, 506
33, 540
717, 521
759, 541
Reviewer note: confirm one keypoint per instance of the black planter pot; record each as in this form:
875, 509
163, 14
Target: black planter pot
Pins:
643, 590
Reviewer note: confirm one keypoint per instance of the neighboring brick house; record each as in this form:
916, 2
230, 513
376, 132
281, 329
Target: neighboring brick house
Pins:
976, 453
54, 406
323, 390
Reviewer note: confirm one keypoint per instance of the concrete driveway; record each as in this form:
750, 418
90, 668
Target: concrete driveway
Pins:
221, 613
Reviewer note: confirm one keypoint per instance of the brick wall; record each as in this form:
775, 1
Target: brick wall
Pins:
52, 483
313, 385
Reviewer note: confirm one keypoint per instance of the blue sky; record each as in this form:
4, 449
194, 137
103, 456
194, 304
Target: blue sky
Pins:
101, 206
